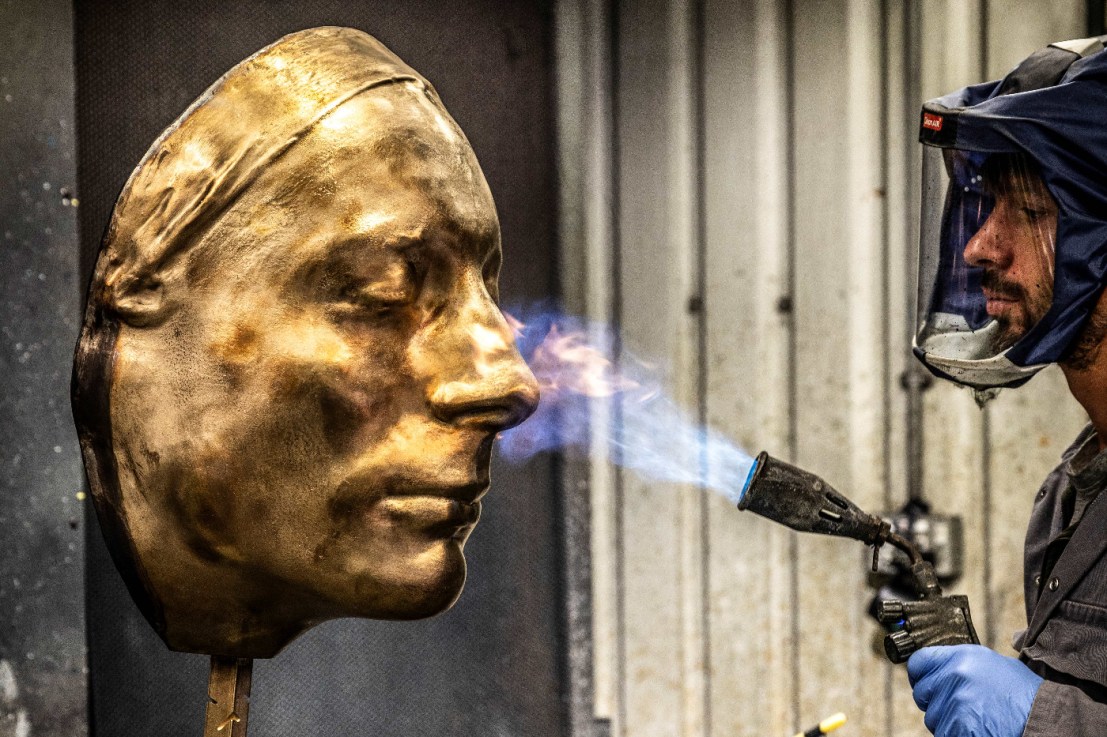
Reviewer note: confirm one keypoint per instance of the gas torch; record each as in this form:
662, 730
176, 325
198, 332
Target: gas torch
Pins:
804, 502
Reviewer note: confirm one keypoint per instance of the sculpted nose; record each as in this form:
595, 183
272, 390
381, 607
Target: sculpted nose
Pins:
493, 388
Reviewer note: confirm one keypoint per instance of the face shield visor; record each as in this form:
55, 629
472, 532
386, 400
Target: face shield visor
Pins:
986, 263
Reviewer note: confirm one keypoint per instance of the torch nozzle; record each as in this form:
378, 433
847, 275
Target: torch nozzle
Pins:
802, 501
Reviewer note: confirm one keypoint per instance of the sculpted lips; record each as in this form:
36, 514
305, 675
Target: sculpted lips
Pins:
441, 511
434, 514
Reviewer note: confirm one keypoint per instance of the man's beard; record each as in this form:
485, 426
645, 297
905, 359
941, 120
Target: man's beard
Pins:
1011, 330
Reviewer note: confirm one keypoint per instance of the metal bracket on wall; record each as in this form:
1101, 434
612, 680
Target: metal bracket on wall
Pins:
915, 380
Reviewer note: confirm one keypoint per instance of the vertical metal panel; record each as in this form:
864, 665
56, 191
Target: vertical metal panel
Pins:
950, 56
900, 231
901, 25
1015, 28
585, 150
951, 51
661, 554
576, 502
839, 367
748, 282
43, 679
582, 86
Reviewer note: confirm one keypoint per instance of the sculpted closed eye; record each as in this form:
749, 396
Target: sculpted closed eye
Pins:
377, 294
374, 300
392, 290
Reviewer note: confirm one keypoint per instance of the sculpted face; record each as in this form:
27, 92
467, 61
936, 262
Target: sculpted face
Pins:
305, 430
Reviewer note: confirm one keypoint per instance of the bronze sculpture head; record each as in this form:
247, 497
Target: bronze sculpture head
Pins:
292, 365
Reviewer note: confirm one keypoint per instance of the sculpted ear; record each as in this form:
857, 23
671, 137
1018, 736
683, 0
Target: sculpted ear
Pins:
140, 294
142, 306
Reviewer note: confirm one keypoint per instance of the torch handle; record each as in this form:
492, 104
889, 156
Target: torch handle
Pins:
937, 620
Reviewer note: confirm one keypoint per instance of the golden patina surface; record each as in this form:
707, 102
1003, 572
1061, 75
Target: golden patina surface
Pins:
293, 366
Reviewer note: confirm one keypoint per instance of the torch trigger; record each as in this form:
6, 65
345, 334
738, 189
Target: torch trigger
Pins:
876, 553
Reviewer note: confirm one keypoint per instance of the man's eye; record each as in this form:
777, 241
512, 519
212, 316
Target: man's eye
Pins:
1034, 214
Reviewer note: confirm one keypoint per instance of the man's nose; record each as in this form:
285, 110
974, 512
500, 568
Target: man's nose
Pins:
986, 248
488, 386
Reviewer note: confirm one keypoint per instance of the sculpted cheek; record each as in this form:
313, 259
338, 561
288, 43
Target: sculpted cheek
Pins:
342, 384
202, 493
237, 345
312, 343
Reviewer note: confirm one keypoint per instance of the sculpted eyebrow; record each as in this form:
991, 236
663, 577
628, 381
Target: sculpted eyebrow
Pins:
353, 259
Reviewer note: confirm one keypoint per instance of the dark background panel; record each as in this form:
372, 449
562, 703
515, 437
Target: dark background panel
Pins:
42, 641
491, 665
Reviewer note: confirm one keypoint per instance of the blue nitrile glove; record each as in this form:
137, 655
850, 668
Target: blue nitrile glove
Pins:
971, 691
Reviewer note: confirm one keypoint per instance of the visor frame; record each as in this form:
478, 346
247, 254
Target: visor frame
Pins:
955, 336
1049, 108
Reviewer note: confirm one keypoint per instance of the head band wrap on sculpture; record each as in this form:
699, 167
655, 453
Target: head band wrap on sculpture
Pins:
208, 158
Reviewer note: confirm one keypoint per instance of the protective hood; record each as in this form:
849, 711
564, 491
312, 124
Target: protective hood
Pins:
1051, 112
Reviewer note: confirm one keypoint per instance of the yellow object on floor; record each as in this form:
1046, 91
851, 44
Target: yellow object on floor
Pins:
826, 726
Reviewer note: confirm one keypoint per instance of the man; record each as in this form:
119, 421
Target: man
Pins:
293, 365
1012, 277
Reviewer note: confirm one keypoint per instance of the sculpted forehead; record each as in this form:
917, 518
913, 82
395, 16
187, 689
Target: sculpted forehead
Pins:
385, 173
383, 154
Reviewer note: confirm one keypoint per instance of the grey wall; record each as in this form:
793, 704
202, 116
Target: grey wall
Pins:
42, 646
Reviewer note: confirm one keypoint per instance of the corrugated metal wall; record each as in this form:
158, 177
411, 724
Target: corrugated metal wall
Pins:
739, 195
